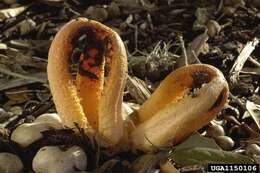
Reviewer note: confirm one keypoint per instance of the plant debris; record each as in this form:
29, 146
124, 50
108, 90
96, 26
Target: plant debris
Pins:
160, 36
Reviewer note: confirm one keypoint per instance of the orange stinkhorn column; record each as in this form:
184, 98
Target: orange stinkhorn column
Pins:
96, 98
186, 100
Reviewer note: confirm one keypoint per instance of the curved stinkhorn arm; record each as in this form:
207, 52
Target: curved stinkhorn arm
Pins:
96, 98
185, 101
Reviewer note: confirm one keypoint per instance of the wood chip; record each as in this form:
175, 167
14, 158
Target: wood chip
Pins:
254, 111
241, 59
137, 89
11, 12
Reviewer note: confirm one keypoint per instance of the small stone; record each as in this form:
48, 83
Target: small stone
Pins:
225, 142
229, 11
10, 163
55, 159
96, 13
257, 159
27, 26
213, 28
215, 130
253, 149
17, 110
28, 133
113, 10
237, 132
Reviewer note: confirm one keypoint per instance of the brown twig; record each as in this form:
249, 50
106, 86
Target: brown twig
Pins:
196, 57
183, 50
18, 75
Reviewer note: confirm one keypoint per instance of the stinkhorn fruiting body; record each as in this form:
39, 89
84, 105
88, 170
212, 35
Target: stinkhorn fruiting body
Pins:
186, 100
96, 99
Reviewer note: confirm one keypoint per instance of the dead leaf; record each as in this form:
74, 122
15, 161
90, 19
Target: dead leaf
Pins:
27, 26
168, 167
254, 111
257, 159
38, 77
202, 16
17, 95
24, 27
3, 46
195, 46
11, 12
204, 156
241, 59
147, 5
251, 70
17, 110
96, 13
235, 3
213, 28
15, 56
200, 150
137, 89
4, 115
147, 162
196, 140
113, 10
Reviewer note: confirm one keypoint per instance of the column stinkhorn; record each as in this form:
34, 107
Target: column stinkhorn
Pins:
185, 101
96, 99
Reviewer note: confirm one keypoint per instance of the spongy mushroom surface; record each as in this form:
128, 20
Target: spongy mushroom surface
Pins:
55, 159
10, 163
28, 133
185, 101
